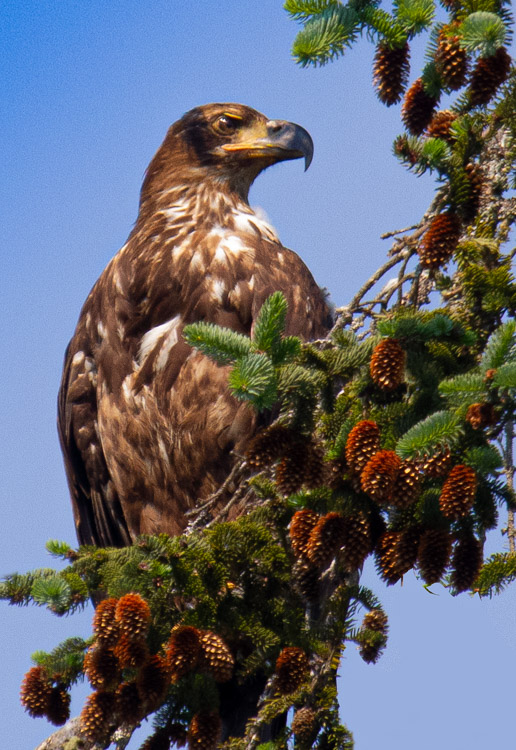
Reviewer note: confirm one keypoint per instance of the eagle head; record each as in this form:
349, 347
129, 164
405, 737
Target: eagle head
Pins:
227, 143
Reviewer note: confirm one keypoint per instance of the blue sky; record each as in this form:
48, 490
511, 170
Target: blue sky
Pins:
88, 90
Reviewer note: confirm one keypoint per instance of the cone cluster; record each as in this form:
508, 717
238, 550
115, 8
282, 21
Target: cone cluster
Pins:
434, 554
291, 669
488, 75
204, 731
440, 240
387, 365
40, 698
458, 492
190, 649
390, 72
451, 59
121, 627
418, 108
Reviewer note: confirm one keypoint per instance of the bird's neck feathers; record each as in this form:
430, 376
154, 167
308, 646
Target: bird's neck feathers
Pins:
178, 175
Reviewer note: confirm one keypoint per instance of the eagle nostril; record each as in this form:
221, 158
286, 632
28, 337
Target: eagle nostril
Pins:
274, 127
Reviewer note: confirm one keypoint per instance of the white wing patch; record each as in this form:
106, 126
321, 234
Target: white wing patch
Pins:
166, 332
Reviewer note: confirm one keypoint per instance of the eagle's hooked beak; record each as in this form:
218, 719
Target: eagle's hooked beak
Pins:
282, 140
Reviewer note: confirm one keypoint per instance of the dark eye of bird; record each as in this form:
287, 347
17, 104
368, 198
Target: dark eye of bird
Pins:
226, 125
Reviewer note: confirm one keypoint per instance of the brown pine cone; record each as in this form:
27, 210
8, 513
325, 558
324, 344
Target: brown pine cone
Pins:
387, 365
301, 526
487, 77
357, 541
418, 108
466, 562
362, 443
58, 708
440, 240
129, 702
268, 446
387, 557
35, 692
105, 626
375, 619
440, 124
437, 465
407, 549
390, 72
451, 59
97, 716
407, 485
204, 731
326, 538
476, 185
380, 474
131, 652
215, 657
306, 579
153, 681
458, 492
291, 470
291, 669
481, 415
183, 650
133, 616
157, 741
304, 725
434, 554
101, 666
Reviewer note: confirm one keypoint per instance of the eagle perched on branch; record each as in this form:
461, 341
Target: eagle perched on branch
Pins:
147, 424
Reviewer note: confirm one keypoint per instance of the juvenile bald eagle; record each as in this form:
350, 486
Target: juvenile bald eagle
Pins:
147, 424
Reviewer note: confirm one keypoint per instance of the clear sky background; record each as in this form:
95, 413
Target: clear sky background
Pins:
88, 91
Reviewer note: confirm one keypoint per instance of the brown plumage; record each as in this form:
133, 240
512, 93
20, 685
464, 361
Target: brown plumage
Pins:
147, 425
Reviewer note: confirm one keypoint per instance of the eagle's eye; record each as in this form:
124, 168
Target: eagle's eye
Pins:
226, 125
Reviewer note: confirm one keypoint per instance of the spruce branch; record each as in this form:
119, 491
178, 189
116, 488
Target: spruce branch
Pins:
483, 32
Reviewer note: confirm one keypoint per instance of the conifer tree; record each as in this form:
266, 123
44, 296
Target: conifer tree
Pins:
392, 438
